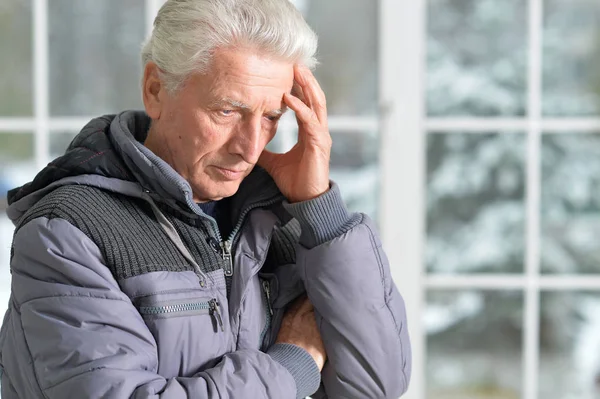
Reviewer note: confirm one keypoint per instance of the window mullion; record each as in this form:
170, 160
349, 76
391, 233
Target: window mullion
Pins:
533, 188
41, 72
402, 39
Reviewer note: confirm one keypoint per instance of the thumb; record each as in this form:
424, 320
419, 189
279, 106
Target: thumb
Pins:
268, 161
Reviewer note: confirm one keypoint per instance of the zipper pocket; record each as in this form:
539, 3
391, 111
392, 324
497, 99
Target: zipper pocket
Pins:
188, 308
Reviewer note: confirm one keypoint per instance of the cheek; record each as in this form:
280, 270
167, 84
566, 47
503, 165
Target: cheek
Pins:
208, 136
175, 125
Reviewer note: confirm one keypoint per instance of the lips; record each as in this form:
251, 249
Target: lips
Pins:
231, 170
230, 174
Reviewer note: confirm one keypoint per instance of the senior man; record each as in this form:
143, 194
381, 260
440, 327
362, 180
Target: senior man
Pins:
167, 254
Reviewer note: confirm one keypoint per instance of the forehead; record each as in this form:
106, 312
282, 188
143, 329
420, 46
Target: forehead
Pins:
245, 75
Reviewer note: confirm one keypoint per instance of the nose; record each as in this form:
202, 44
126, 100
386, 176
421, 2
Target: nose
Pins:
248, 140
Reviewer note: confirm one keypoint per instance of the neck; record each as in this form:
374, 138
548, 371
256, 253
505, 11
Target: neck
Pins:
159, 146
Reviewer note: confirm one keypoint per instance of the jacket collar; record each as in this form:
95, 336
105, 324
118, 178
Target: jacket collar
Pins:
111, 147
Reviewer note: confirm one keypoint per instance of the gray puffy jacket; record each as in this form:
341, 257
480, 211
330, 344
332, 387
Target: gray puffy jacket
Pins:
123, 288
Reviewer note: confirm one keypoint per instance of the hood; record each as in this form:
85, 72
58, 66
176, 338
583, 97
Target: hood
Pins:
109, 153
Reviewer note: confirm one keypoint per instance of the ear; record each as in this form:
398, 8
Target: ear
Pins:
153, 91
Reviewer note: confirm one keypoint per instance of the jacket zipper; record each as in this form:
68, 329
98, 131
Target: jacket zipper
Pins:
267, 290
212, 307
226, 254
267, 287
227, 245
180, 307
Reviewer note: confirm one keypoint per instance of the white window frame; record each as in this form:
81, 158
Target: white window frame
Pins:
404, 128
402, 162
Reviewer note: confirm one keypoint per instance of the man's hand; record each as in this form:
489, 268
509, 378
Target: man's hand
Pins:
299, 328
303, 172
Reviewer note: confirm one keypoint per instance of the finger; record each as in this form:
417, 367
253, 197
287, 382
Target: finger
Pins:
312, 91
298, 92
303, 112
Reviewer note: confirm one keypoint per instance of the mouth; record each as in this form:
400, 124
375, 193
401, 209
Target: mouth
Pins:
230, 174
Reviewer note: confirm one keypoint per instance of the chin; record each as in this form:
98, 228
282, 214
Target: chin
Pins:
230, 188
219, 191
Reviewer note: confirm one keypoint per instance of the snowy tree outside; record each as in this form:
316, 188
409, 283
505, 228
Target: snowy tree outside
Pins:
477, 67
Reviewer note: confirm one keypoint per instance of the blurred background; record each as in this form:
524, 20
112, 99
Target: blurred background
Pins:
504, 301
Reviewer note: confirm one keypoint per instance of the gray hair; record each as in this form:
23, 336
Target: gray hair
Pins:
187, 32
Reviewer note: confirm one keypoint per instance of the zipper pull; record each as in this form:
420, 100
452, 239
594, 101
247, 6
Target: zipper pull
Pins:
267, 288
226, 253
214, 244
214, 309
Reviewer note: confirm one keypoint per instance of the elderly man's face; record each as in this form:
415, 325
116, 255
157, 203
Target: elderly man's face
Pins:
213, 130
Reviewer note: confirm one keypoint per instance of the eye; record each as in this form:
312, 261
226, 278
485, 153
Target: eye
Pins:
226, 112
272, 118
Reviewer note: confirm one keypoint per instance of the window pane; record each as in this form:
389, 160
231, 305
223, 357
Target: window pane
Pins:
475, 202
95, 66
474, 344
59, 141
570, 222
16, 79
570, 345
347, 55
476, 57
571, 77
354, 165
16, 168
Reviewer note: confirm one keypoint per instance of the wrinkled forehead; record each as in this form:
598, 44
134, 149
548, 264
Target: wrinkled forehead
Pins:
247, 78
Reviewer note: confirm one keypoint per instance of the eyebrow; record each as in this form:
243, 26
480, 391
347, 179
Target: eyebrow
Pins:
240, 105
279, 111
231, 102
